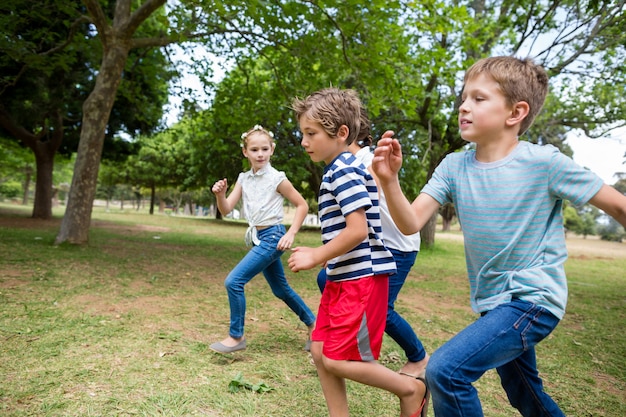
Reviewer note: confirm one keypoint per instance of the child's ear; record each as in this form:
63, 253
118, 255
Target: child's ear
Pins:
518, 113
343, 132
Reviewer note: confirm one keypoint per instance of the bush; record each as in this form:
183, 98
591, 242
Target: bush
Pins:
10, 189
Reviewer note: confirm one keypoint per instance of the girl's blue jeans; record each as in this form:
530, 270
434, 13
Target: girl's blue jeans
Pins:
396, 327
262, 258
504, 339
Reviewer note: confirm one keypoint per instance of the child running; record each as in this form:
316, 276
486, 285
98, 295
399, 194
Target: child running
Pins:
509, 196
404, 250
263, 189
351, 319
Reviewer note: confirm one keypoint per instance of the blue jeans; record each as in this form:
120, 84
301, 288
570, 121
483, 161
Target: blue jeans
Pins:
262, 258
396, 327
504, 339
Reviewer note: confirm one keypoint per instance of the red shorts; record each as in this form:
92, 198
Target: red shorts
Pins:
351, 318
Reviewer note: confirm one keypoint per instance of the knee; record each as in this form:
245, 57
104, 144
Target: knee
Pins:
280, 293
316, 353
437, 370
231, 283
334, 367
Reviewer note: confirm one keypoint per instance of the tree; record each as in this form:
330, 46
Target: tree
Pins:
407, 62
117, 40
48, 65
118, 35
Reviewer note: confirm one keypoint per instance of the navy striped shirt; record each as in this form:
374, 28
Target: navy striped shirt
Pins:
346, 187
511, 215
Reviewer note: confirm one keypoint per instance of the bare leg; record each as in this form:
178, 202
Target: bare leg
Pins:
409, 390
333, 386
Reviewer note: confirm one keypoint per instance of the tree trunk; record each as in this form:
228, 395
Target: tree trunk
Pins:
28, 172
96, 112
42, 207
152, 197
427, 234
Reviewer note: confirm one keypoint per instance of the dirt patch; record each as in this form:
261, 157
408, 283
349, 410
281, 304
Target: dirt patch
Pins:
577, 246
133, 228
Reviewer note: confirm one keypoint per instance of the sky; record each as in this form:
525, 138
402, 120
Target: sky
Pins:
603, 156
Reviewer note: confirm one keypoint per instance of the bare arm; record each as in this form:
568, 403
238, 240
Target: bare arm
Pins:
303, 258
287, 190
224, 204
410, 218
612, 202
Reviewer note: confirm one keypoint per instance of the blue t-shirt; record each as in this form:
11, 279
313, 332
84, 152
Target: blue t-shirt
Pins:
346, 187
511, 215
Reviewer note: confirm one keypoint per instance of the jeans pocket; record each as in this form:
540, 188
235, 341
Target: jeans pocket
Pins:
536, 324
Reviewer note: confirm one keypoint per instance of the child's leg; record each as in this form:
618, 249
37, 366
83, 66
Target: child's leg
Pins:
357, 312
397, 327
520, 379
333, 387
255, 261
409, 390
494, 340
275, 276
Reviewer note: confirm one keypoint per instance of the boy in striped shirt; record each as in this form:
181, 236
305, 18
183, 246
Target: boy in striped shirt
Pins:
352, 314
508, 195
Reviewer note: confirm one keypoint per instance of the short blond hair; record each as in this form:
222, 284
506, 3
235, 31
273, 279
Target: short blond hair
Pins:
332, 108
520, 79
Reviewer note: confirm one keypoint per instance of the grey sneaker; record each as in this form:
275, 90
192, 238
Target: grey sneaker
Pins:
220, 348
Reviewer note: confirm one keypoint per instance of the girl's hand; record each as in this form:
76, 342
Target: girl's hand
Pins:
285, 242
220, 186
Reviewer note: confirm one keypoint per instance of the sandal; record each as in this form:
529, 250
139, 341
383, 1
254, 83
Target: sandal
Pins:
423, 410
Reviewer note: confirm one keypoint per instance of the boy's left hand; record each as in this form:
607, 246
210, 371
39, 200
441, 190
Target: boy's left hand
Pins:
301, 259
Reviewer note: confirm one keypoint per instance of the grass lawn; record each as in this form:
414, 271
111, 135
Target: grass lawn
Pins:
121, 327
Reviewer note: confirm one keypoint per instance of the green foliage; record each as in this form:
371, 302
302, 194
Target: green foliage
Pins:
10, 189
238, 383
406, 60
612, 231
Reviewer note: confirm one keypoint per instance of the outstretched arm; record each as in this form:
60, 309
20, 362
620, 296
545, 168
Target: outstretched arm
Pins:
410, 218
612, 202
287, 190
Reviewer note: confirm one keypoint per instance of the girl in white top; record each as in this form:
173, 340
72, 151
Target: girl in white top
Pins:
263, 189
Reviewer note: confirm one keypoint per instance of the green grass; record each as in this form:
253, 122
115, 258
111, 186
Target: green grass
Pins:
121, 327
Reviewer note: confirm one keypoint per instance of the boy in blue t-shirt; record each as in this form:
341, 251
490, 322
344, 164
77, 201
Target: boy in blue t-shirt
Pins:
508, 195
349, 329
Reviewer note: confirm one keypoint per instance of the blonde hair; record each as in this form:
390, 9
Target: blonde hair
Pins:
520, 79
332, 108
257, 129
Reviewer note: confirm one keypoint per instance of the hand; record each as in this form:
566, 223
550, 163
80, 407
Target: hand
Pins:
301, 259
285, 242
387, 157
220, 186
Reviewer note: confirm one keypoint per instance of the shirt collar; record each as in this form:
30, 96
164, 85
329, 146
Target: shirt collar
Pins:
260, 172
